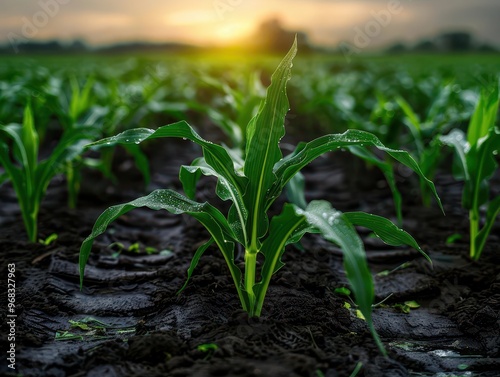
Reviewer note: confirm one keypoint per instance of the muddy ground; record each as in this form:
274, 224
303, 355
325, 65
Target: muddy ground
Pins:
128, 320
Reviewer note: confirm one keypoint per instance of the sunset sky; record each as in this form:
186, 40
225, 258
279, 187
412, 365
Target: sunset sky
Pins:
203, 22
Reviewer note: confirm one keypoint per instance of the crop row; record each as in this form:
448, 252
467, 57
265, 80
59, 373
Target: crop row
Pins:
385, 117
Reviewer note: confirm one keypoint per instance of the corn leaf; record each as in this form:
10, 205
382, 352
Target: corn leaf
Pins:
29, 138
71, 145
384, 229
481, 164
215, 155
189, 176
413, 118
428, 162
336, 228
388, 171
456, 139
491, 215
174, 203
262, 151
484, 116
194, 262
291, 164
295, 190
281, 230
412, 122
141, 161
29, 177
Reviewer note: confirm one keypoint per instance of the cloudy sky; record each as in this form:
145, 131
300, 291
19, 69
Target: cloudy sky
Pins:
327, 22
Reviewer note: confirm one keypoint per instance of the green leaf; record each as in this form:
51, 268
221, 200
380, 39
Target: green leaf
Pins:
336, 228
388, 171
168, 200
491, 215
80, 99
207, 347
428, 162
384, 229
481, 163
291, 164
343, 291
295, 191
189, 176
31, 179
412, 304
49, 240
453, 238
281, 231
70, 146
29, 138
175, 203
413, 122
215, 155
141, 161
195, 260
456, 139
484, 116
262, 151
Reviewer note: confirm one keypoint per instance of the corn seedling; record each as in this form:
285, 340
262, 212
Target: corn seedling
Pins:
252, 188
19, 146
236, 106
475, 164
425, 134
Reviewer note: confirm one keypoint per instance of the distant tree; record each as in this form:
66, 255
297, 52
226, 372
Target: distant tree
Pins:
485, 47
425, 45
77, 45
397, 48
272, 37
455, 41
41, 47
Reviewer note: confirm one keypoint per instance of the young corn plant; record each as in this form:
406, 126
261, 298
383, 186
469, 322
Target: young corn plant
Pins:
236, 106
132, 103
475, 164
19, 145
74, 110
239, 106
441, 115
252, 186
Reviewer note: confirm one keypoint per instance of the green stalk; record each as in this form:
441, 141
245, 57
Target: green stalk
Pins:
30, 222
376, 337
72, 184
250, 268
474, 229
107, 160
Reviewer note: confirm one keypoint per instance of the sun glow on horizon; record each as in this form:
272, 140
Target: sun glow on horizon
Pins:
231, 33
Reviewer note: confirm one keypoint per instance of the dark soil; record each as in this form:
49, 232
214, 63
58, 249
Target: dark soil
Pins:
145, 329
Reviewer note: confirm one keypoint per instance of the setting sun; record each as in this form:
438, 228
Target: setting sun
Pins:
231, 33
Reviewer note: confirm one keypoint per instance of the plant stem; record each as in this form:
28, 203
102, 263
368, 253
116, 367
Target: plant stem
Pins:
474, 227
250, 268
31, 223
71, 184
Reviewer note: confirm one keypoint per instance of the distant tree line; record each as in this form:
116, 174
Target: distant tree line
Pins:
447, 42
270, 36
